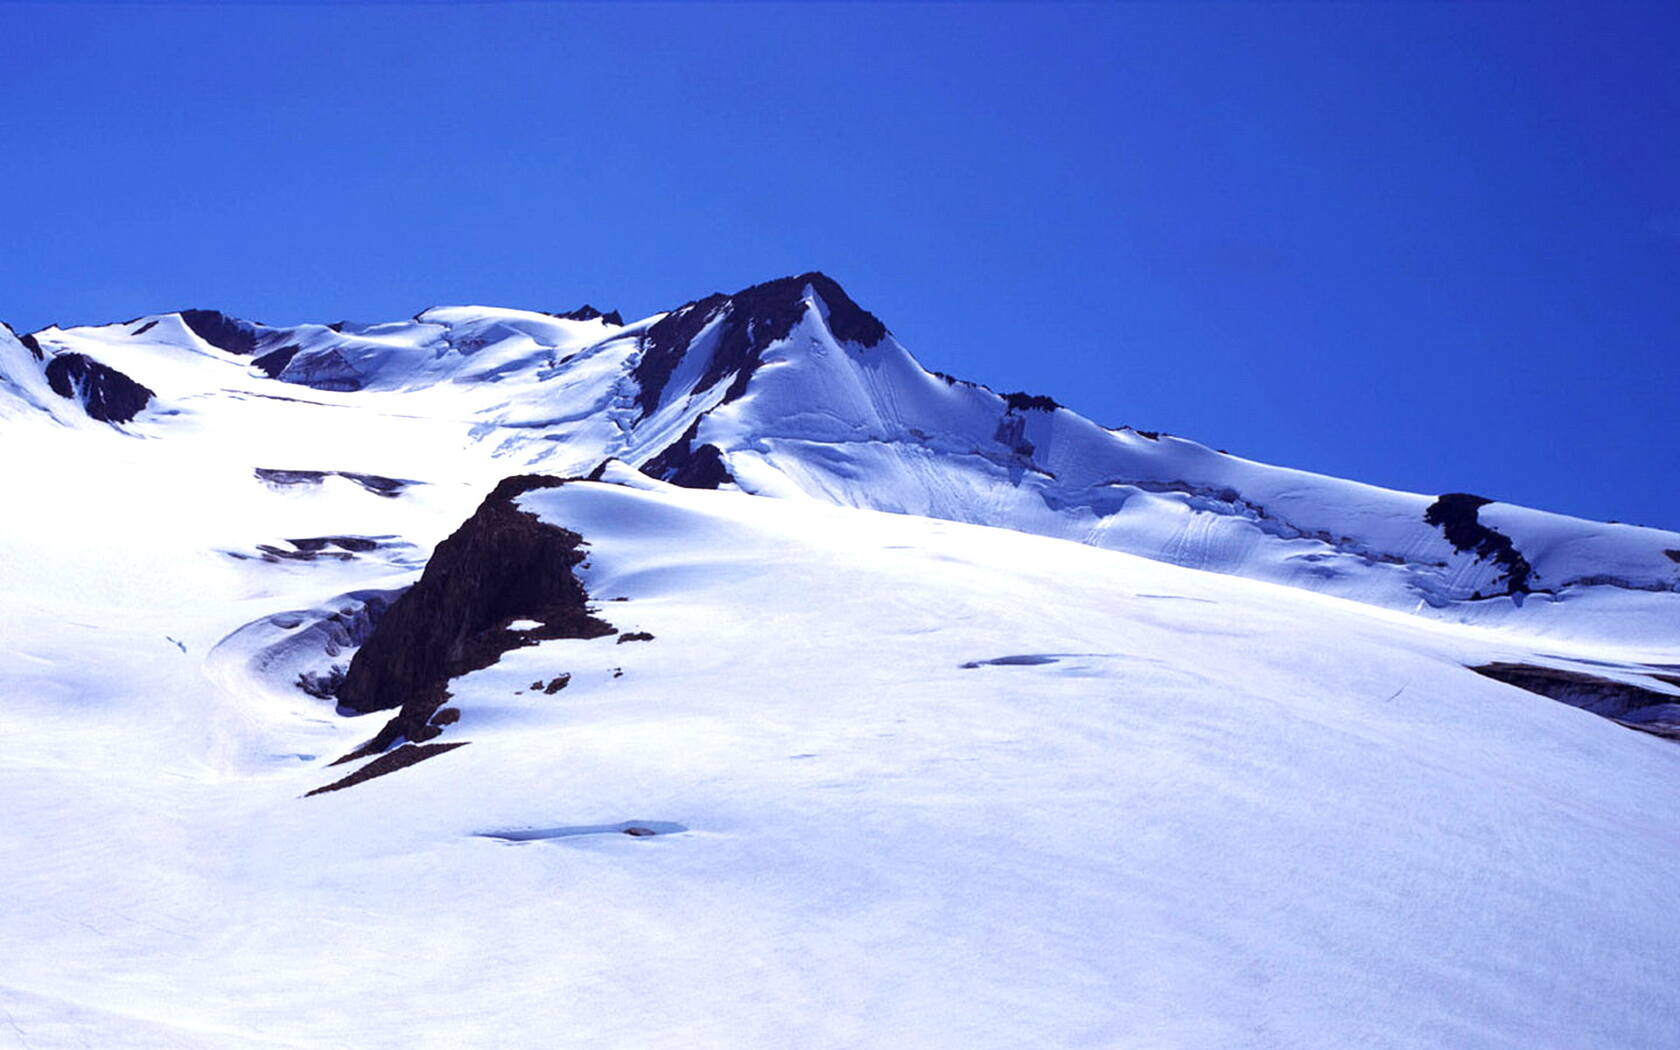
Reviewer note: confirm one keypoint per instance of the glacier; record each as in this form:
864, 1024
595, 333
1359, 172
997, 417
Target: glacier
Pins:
951, 718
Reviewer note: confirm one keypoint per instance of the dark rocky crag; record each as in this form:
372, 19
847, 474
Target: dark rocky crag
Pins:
589, 313
501, 565
690, 465
1456, 514
275, 361
105, 393
1023, 402
750, 320
224, 332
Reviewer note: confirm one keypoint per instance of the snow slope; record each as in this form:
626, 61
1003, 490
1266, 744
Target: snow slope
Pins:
917, 783
935, 777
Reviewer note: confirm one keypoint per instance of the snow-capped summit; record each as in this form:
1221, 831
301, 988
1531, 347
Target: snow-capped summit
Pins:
502, 677
723, 338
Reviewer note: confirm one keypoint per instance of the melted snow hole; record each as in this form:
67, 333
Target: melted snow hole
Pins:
633, 828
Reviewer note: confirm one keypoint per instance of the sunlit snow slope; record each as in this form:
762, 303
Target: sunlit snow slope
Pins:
930, 778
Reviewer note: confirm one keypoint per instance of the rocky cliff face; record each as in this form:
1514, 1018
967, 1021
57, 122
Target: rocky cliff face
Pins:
501, 565
106, 394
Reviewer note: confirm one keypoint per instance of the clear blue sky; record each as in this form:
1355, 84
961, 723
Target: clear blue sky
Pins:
1435, 247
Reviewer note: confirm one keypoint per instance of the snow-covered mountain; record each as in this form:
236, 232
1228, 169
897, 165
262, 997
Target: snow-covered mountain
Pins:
791, 389
341, 710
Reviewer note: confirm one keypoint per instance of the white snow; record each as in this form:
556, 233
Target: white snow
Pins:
911, 781
1216, 813
865, 427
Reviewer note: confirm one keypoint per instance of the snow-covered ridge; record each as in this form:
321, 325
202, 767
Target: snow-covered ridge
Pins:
791, 389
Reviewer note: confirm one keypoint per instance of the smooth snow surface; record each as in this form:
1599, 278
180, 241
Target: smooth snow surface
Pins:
1166, 808
878, 779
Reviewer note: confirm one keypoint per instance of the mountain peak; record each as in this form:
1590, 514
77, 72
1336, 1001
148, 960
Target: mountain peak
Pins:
222, 331
784, 297
749, 321
587, 312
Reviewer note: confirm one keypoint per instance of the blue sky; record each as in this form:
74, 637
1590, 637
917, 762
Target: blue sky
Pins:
1434, 247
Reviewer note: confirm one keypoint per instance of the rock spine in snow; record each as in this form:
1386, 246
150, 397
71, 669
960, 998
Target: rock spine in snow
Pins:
105, 393
501, 565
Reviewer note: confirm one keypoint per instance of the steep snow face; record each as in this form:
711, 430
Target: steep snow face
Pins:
968, 787
791, 389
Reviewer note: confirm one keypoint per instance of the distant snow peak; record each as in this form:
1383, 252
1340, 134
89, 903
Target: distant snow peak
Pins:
589, 313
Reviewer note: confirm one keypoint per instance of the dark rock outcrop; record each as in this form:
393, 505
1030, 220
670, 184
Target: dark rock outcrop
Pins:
1021, 402
589, 313
275, 361
377, 484
105, 393
224, 332
1456, 515
691, 466
1630, 705
401, 758
501, 565
748, 322
34, 346
316, 548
